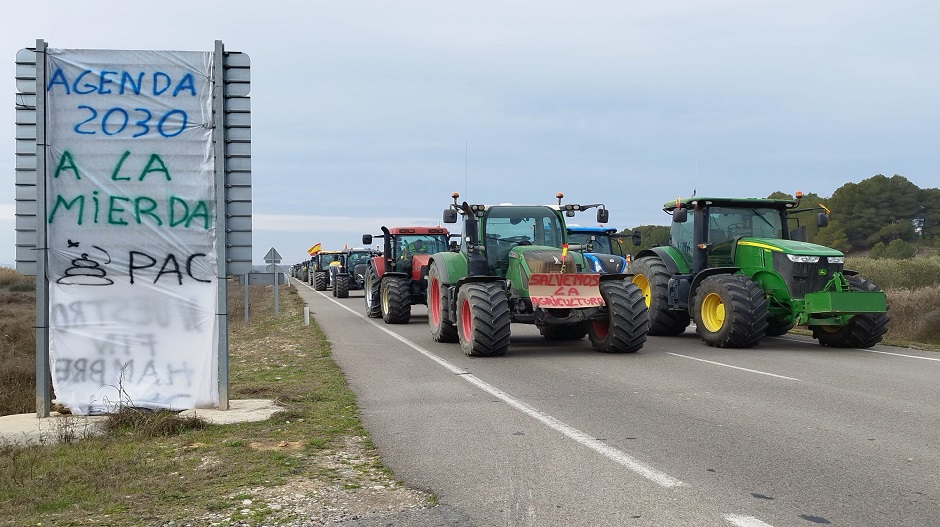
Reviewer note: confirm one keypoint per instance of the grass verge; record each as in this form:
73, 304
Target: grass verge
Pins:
312, 460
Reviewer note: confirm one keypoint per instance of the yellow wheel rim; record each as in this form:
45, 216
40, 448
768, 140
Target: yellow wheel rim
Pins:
641, 282
713, 312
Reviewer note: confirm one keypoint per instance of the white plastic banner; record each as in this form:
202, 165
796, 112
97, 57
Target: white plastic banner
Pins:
131, 219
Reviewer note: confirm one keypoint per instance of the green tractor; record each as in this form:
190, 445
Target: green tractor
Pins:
514, 266
734, 267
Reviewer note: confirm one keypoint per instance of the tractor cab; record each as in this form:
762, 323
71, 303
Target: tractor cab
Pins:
508, 226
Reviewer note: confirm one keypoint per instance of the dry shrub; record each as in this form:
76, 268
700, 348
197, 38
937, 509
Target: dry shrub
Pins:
141, 422
910, 274
17, 342
915, 315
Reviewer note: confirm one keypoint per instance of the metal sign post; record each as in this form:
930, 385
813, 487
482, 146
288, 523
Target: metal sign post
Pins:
274, 258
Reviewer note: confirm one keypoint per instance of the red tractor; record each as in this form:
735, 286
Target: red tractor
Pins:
397, 279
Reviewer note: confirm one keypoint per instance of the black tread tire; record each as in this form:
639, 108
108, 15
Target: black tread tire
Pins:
483, 321
663, 321
862, 331
372, 290
564, 332
745, 311
395, 300
319, 280
627, 322
442, 330
775, 328
341, 286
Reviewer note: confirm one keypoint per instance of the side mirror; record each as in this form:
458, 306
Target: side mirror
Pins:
603, 215
367, 239
680, 216
822, 219
637, 238
450, 216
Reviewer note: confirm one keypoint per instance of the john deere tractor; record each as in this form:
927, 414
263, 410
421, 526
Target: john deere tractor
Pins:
514, 265
734, 267
397, 278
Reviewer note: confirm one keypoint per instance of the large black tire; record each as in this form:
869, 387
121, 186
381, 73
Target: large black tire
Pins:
776, 327
730, 311
862, 331
652, 277
627, 322
341, 286
564, 332
395, 299
372, 289
319, 280
442, 330
483, 319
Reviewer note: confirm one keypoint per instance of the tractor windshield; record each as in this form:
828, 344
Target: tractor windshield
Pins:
602, 242
409, 245
507, 226
729, 223
358, 258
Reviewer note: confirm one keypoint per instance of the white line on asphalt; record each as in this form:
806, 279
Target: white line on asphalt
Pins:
734, 367
660, 478
745, 521
875, 351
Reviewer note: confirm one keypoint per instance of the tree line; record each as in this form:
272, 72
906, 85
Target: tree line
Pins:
887, 216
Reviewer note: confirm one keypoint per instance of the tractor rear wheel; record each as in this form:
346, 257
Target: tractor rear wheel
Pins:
319, 280
395, 300
625, 329
861, 331
730, 311
442, 329
483, 319
341, 286
372, 289
652, 277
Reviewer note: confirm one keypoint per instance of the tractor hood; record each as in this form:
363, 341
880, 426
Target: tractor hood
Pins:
790, 246
539, 259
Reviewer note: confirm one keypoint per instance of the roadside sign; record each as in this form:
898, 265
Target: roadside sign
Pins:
272, 256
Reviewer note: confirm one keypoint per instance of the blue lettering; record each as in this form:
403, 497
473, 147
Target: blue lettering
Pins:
58, 78
159, 76
186, 83
103, 79
126, 80
87, 84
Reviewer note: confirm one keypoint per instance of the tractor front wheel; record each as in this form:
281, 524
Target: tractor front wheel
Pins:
730, 311
483, 319
625, 329
341, 286
442, 330
319, 280
652, 277
861, 331
395, 301
372, 289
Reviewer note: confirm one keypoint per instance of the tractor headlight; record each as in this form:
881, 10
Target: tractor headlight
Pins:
836, 259
800, 258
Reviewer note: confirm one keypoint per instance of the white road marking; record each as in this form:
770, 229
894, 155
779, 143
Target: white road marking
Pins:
660, 478
745, 521
734, 367
874, 351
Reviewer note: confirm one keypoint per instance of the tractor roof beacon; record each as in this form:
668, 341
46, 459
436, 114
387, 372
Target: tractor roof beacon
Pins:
513, 265
396, 278
741, 252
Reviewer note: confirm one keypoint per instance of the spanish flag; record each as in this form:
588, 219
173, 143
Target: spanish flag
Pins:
564, 251
314, 250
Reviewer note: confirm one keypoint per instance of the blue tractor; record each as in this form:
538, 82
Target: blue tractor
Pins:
602, 248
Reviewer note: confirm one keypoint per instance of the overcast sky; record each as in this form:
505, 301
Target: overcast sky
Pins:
371, 113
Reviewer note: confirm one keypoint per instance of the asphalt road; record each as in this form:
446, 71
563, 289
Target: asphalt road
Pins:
678, 434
